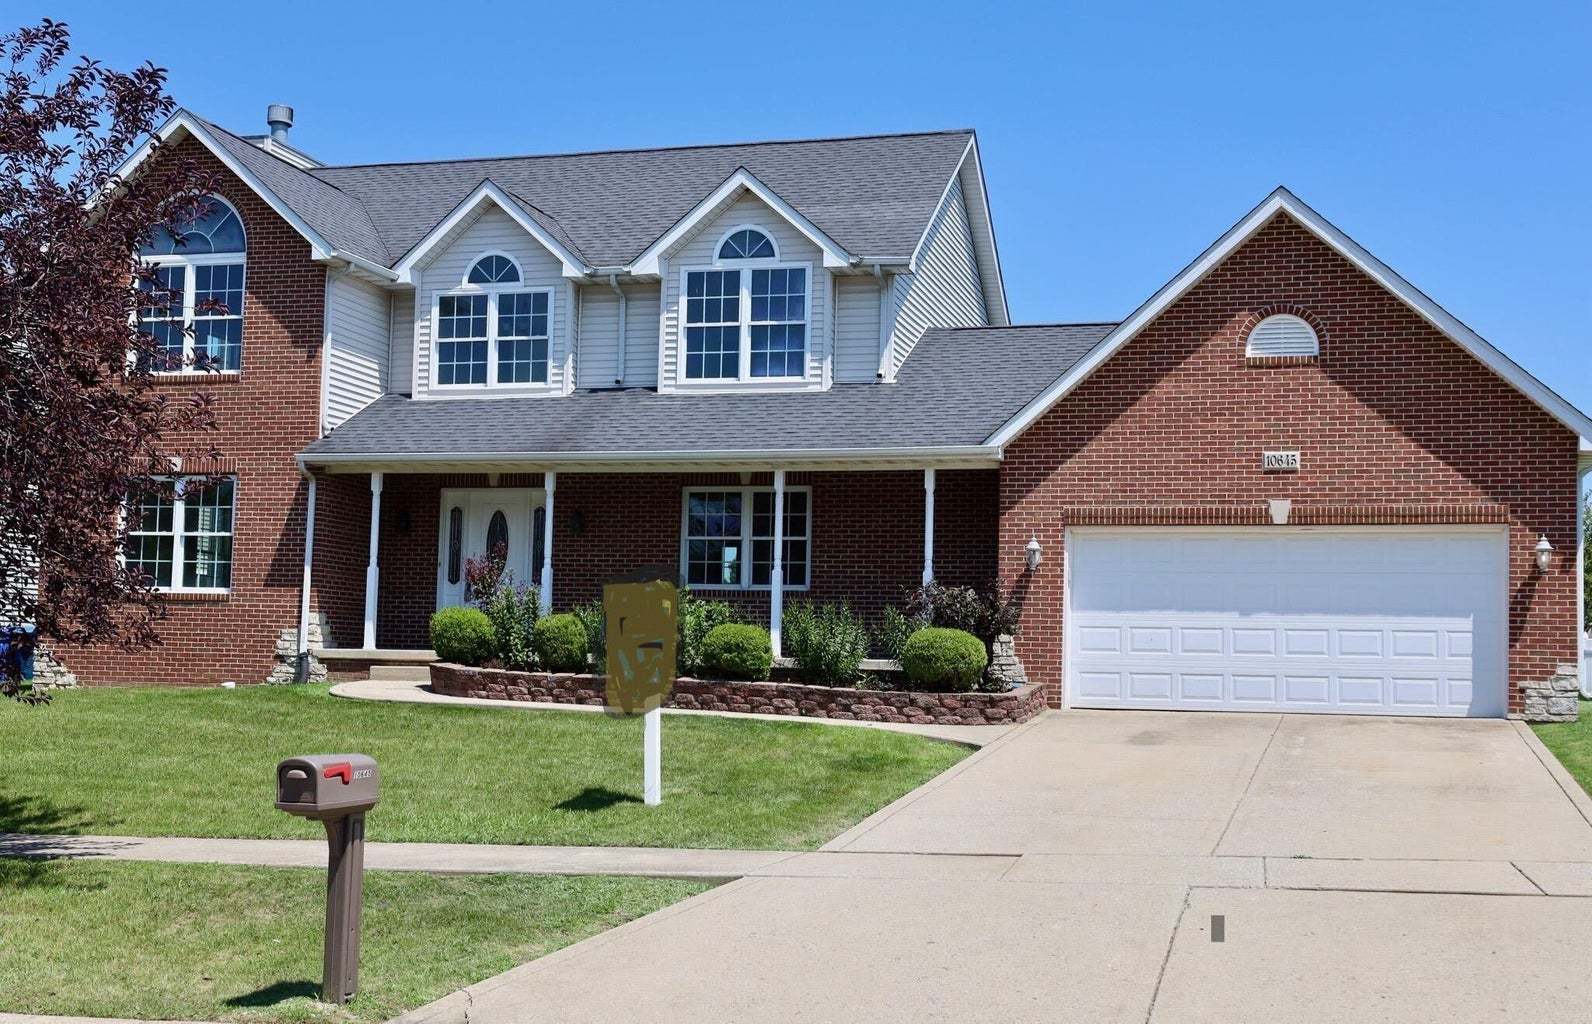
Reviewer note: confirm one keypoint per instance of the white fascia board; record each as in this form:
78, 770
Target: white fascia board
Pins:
487, 192
1283, 201
986, 224
834, 254
762, 455
320, 249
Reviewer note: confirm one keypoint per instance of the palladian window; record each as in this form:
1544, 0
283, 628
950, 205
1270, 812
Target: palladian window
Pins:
746, 318
493, 330
195, 309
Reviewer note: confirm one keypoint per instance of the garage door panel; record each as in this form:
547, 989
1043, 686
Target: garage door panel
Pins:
1378, 622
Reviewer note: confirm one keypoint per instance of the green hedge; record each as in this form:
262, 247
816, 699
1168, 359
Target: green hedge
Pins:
560, 643
738, 652
463, 636
944, 659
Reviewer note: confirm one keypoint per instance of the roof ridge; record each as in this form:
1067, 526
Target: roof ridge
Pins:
633, 149
1055, 323
286, 163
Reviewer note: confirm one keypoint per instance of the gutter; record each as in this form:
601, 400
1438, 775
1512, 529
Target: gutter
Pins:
757, 455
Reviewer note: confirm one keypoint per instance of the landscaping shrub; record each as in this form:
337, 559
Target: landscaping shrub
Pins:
512, 609
894, 628
738, 652
696, 620
827, 643
592, 616
463, 635
983, 612
944, 659
560, 642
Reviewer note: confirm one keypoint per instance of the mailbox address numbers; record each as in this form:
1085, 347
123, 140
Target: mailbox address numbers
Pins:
1279, 462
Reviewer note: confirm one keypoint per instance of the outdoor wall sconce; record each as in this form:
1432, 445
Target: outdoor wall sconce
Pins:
1544, 553
1031, 550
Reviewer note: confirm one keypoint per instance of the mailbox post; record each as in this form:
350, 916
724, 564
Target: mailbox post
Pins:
336, 790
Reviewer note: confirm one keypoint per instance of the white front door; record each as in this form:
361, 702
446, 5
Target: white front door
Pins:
476, 520
1396, 621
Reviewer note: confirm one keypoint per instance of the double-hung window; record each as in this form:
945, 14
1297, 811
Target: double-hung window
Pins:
493, 330
180, 535
194, 309
728, 538
747, 317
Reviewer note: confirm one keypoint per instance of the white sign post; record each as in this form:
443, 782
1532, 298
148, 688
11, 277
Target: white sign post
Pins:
652, 757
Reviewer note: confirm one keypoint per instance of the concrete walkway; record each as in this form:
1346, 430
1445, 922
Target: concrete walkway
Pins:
1076, 868
406, 691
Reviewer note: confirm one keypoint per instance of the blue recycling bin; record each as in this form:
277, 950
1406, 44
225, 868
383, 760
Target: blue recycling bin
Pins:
16, 650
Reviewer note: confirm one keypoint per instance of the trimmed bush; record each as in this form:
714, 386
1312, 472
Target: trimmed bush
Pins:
560, 643
944, 659
696, 620
827, 643
738, 652
463, 635
592, 616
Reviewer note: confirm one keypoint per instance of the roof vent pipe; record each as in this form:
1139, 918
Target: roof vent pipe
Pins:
279, 117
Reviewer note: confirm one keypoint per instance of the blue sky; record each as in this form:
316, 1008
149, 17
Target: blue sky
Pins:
1451, 139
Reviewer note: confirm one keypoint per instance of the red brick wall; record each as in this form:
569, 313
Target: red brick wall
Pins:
867, 545
1392, 414
266, 413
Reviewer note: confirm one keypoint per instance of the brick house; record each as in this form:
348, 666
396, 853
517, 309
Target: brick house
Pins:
1288, 481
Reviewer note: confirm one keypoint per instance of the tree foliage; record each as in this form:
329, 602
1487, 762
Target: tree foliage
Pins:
83, 426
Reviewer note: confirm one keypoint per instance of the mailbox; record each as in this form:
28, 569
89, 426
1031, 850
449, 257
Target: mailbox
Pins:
325, 786
336, 790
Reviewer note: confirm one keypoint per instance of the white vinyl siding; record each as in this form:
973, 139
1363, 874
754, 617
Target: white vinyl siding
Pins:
856, 330
699, 251
401, 367
946, 290
494, 231
599, 337
359, 350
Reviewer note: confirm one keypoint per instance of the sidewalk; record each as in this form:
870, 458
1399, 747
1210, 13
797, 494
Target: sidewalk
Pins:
405, 691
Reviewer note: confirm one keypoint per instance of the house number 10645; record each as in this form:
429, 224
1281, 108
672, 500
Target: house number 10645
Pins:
1279, 462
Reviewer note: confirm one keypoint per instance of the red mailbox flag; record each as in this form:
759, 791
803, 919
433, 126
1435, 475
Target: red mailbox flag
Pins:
342, 770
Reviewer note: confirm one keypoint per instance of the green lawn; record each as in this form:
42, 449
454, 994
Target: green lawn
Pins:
206, 942
174, 762
1571, 743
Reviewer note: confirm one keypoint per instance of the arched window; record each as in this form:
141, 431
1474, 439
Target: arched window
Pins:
195, 309
747, 244
493, 330
497, 535
493, 269
1283, 335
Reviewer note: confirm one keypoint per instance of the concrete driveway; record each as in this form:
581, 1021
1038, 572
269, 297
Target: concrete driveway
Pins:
1075, 870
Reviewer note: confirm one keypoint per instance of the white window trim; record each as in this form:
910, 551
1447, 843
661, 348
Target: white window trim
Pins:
179, 535
746, 537
492, 292
208, 259
744, 367
1249, 341
719, 245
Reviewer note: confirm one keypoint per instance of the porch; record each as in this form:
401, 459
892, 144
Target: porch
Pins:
388, 545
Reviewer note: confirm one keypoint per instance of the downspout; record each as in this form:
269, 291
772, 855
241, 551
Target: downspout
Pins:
883, 374
301, 668
619, 365
1580, 578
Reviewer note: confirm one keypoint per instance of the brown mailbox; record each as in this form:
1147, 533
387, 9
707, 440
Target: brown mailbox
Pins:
324, 786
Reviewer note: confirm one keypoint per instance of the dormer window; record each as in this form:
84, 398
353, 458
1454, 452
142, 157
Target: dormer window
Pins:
492, 330
1282, 335
746, 317
196, 312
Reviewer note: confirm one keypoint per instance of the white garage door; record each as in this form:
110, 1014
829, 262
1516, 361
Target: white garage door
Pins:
1403, 621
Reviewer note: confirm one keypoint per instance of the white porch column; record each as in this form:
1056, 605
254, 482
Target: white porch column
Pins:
776, 572
1580, 584
550, 483
928, 526
372, 566
304, 596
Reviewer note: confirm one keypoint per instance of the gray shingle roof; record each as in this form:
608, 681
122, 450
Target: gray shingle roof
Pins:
956, 388
872, 195
336, 216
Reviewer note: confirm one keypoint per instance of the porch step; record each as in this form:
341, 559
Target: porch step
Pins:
401, 673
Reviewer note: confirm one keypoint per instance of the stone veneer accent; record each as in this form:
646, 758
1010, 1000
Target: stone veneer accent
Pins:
1556, 699
795, 699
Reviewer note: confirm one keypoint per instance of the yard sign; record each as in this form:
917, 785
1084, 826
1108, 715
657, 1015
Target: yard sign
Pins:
641, 618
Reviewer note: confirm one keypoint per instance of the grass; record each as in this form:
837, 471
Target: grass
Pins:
206, 942
192, 762
1571, 743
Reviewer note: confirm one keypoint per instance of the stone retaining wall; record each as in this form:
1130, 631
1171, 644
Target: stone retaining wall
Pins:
796, 699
